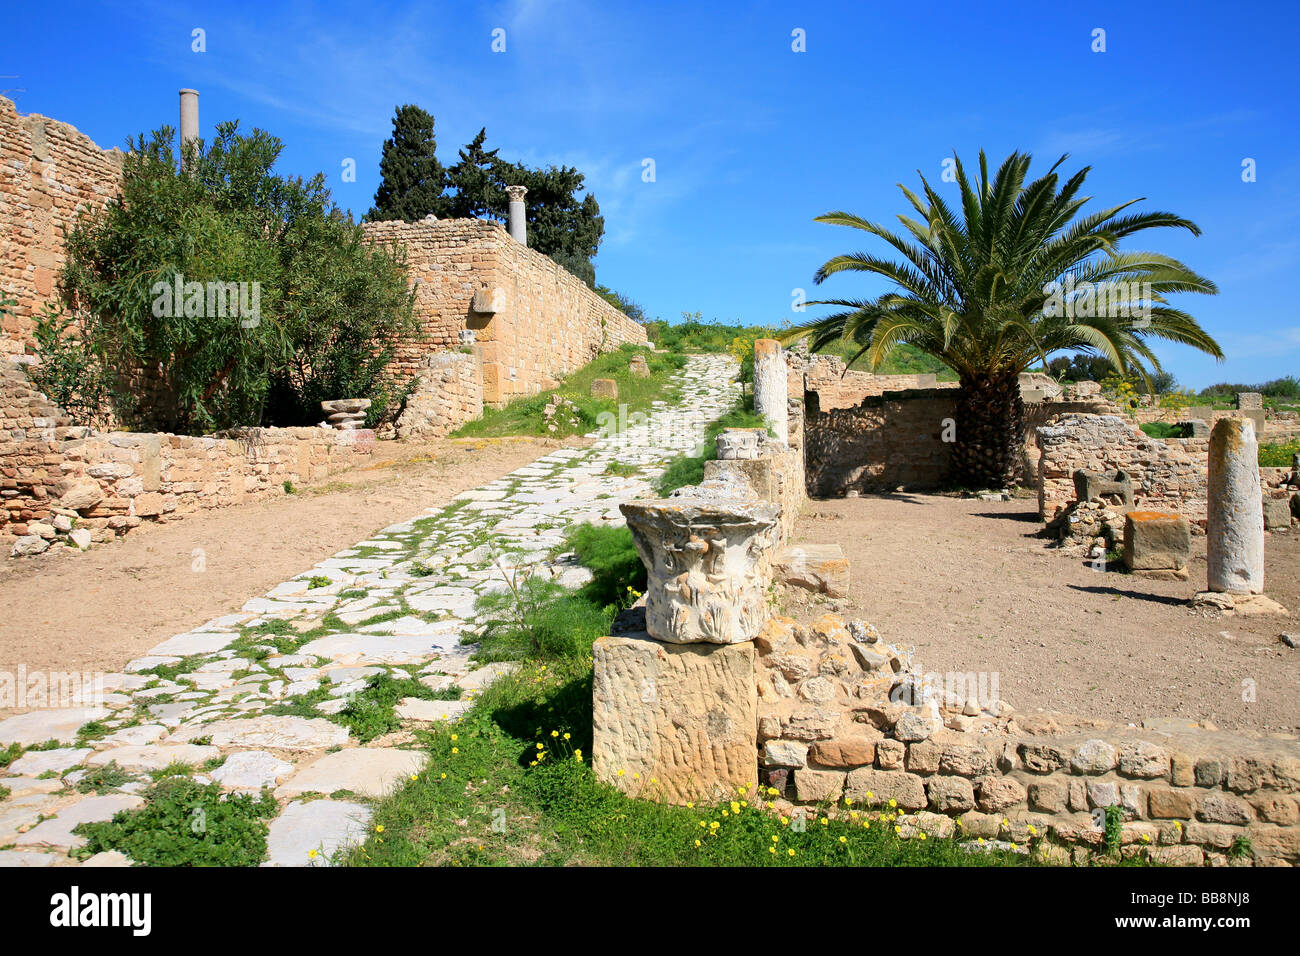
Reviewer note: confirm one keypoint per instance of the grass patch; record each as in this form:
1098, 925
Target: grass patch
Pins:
186, 824
372, 712
619, 577
9, 754
486, 797
526, 416
1279, 455
538, 618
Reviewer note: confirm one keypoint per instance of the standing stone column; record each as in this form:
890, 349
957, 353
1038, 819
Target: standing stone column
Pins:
771, 395
518, 220
189, 118
1235, 510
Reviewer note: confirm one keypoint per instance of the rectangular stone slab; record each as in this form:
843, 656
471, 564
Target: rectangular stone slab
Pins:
1156, 541
679, 720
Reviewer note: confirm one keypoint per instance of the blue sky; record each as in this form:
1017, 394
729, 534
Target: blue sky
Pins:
750, 139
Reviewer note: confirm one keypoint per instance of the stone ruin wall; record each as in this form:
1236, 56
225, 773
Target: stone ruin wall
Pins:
56, 477
876, 433
533, 322
822, 711
831, 724
448, 392
49, 173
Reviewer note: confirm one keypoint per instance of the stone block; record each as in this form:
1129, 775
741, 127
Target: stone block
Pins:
489, 301
1114, 488
817, 567
604, 388
685, 715
877, 787
1277, 514
1156, 541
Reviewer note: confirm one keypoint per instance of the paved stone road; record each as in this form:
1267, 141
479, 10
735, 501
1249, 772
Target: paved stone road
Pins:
400, 602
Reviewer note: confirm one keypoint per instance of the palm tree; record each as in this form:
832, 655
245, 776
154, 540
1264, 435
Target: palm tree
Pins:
1012, 279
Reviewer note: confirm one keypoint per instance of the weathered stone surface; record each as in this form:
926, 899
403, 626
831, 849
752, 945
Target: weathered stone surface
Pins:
1156, 541
1169, 804
38, 726
1277, 514
282, 733
907, 789
367, 771
78, 494
817, 567
771, 399
999, 793
16, 858
194, 642
44, 761
431, 711
153, 756
818, 786
706, 551
844, 752
1235, 517
683, 714
604, 388
58, 830
251, 770
1093, 757
324, 826
950, 794
785, 753
1142, 759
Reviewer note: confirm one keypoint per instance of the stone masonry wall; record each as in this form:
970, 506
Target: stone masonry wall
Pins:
49, 173
832, 724
880, 443
1168, 474
448, 393
55, 476
533, 322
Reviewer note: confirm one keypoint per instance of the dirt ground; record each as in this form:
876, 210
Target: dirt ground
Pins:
94, 611
966, 582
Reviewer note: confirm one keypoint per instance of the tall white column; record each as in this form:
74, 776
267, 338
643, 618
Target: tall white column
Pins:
771, 399
518, 219
189, 118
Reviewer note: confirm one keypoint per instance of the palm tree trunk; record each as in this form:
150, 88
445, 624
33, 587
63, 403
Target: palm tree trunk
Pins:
990, 421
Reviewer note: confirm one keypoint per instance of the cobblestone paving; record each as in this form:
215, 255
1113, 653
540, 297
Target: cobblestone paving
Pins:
237, 698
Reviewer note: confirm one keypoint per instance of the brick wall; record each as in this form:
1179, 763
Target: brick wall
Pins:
54, 475
49, 173
533, 321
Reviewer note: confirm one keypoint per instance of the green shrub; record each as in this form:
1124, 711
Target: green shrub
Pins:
184, 823
329, 310
70, 373
1165, 430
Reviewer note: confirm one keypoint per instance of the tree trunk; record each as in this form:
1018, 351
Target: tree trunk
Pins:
990, 422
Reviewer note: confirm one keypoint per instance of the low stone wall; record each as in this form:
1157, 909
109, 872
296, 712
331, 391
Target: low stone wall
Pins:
832, 723
881, 443
1168, 474
57, 479
448, 392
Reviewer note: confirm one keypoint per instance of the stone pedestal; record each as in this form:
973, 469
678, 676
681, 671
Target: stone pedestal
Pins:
707, 551
1157, 544
1234, 510
604, 388
678, 720
770, 387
